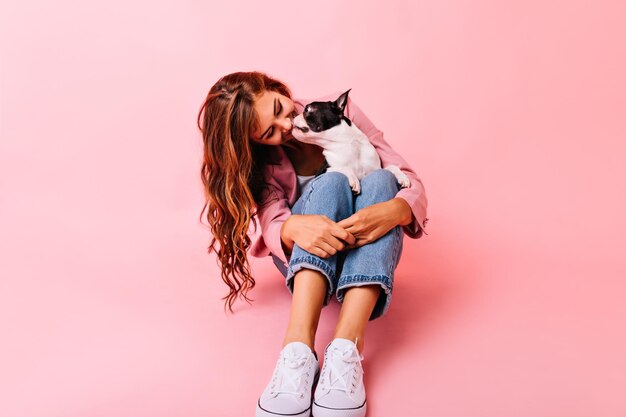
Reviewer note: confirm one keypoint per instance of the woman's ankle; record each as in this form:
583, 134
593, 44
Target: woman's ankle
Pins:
356, 337
306, 339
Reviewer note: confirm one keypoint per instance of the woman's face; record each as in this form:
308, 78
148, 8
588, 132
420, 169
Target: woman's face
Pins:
276, 113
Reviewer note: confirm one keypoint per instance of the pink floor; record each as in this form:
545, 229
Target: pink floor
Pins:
513, 114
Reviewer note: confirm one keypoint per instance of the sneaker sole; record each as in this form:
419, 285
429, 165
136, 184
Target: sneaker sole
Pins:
321, 411
264, 413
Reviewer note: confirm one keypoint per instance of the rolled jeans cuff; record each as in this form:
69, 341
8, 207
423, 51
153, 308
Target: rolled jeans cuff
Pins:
314, 263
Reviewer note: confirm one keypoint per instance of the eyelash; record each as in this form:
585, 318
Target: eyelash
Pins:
279, 112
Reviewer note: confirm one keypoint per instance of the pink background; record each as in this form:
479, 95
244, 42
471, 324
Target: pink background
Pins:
513, 114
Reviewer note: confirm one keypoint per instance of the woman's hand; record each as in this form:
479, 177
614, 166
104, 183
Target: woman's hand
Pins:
373, 222
317, 234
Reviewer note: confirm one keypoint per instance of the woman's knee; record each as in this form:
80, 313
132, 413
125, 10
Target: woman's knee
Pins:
381, 184
333, 179
380, 176
329, 194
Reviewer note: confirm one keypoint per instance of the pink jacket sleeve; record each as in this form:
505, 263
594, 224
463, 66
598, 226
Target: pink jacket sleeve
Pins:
271, 217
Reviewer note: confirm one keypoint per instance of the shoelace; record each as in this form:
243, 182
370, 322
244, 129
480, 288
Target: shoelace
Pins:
335, 378
291, 367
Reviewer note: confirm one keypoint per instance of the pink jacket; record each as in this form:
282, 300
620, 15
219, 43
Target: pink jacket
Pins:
282, 178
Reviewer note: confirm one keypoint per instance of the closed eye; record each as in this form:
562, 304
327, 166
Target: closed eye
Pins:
280, 110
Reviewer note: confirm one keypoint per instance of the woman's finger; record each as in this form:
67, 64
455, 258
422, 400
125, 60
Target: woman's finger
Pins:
326, 249
344, 234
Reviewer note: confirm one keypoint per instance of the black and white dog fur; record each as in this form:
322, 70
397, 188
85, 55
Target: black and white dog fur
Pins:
346, 148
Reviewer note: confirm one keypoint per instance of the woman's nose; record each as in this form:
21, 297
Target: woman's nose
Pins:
287, 125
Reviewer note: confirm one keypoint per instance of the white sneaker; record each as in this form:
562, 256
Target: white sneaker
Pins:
340, 391
289, 391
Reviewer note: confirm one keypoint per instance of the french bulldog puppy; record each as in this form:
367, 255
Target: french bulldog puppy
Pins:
346, 148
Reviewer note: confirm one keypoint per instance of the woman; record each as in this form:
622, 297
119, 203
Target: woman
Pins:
323, 239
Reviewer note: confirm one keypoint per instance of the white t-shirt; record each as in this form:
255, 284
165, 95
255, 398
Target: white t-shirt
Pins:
303, 180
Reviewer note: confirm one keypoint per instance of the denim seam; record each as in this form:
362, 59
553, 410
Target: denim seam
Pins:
396, 245
314, 261
373, 279
308, 196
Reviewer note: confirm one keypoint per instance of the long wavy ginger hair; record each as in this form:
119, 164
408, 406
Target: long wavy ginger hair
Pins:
232, 172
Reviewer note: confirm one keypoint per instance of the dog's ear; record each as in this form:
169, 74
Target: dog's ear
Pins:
342, 101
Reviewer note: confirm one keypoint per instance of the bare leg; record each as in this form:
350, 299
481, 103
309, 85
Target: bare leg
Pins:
309, 291
358, 303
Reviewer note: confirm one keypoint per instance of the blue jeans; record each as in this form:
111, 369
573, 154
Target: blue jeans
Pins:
374, 263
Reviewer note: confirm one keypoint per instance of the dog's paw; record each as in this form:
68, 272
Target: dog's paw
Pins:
403, 180
355, 184
353, 180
